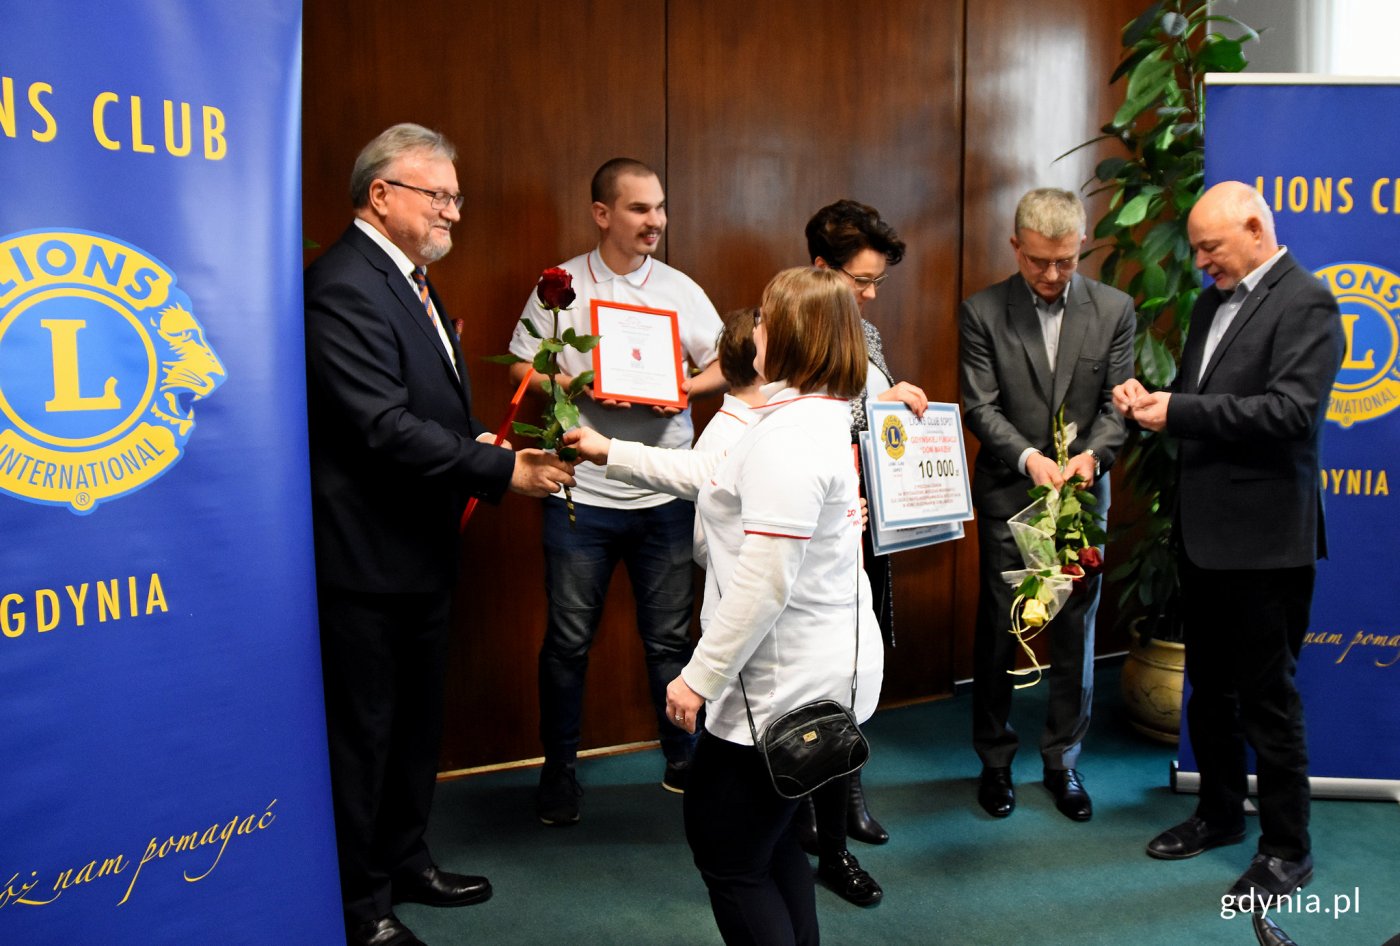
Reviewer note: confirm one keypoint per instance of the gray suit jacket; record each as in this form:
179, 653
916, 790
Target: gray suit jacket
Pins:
1249, 428
1010, 396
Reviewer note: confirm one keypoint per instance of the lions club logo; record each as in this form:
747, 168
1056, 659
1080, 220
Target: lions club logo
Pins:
893, 436
1368, 386
101, 361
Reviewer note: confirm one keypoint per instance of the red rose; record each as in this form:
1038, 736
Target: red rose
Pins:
1091, 559
1073, 570
555, 289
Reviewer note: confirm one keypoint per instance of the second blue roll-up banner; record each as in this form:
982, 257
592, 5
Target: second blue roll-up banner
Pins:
1323, 152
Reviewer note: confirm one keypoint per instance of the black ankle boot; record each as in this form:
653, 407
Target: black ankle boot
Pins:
805, 824
844, 875
860, 823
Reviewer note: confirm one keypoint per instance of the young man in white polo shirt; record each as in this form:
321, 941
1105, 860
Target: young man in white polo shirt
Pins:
650, 532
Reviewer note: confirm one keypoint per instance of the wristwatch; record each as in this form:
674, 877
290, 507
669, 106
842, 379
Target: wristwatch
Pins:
1095, 456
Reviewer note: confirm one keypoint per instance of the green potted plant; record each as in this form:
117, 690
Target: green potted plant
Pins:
1168, 49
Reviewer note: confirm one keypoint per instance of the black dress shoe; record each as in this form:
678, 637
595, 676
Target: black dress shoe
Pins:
844, 875
1070, 796
556, 800
860, 823
804, 825
994, 791
1190, 838
385, 931
1269, 878
1268, 933
440, 888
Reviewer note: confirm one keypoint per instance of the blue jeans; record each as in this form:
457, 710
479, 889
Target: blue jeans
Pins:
656, 545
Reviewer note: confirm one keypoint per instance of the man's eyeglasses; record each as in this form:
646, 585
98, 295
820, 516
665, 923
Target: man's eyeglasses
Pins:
1065, 265
440, 199
863, 282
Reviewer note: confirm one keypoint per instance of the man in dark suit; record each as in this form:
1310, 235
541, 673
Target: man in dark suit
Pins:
395, 453
1247, 409
1044, 339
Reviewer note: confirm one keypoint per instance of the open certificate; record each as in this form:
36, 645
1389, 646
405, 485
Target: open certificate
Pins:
638, 357
916, 471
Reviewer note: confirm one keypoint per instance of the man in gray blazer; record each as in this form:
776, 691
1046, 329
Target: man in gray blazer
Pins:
1247, 410
1043, 339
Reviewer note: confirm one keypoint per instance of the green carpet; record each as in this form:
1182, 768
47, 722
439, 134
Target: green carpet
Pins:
951, 874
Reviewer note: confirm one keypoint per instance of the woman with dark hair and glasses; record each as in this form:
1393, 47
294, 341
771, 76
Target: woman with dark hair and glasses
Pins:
851, 239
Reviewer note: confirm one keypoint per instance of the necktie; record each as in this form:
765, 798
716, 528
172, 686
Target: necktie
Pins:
420, 278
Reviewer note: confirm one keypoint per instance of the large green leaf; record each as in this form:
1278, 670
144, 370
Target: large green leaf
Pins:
1158, 241
1147, 84
1154, 280
1108, 168
566, 414
506, 359
1156, 361
1140, 27
1219, 54
1128, 63
1134, 211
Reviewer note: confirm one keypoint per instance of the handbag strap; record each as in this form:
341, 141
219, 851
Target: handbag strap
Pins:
855, 663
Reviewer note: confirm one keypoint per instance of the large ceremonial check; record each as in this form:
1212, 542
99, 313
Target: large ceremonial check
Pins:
915, 474
638, 355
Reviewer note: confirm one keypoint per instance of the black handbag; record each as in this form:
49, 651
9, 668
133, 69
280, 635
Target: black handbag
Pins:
813, 743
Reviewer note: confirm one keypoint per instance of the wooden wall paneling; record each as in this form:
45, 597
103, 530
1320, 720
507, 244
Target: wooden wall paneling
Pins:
535, 96
776, 109
1037, 86
939, 112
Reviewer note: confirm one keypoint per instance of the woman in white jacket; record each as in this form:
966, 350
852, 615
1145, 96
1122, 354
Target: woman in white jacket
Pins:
781, 515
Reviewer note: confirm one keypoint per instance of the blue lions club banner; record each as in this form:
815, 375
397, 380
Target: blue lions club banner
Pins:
1324, 154
163, 774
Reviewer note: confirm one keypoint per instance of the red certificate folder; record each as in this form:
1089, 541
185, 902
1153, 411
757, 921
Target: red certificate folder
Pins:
636, 368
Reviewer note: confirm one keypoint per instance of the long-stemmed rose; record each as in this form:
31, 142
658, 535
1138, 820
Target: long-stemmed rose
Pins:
554, 293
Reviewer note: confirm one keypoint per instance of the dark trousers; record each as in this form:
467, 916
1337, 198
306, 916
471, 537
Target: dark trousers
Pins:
831, 803
1244, 630
656, 545
382, 659
740, 833
1069, 678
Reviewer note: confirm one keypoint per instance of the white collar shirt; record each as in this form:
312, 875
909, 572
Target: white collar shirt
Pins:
653, 285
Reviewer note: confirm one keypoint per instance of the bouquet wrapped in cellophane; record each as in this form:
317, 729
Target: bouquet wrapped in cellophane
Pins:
1058, 537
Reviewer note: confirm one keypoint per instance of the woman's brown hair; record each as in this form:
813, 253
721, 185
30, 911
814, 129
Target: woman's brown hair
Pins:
814, 341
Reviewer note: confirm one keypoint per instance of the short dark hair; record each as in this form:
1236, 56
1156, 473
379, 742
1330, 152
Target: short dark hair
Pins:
604, 187
736, 349
839, 231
